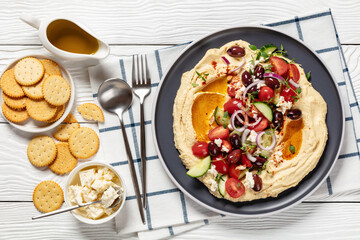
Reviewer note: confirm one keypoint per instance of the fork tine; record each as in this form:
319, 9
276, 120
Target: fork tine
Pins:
133, 71
147, 79
139, 70
143, 79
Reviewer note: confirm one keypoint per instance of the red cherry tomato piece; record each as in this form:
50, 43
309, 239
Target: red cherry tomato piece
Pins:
245, 161
293, 72
289, 94
280, 67
264, 123
200, 149
231, 91
234, 187
227, 145
220, 164
231, 105
218, 132
266, 94
233, 172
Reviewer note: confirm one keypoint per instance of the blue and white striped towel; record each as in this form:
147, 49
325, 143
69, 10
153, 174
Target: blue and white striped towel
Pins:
169, 210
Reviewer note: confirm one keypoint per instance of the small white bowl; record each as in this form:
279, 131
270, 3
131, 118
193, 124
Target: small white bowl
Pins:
67, 200
31, 125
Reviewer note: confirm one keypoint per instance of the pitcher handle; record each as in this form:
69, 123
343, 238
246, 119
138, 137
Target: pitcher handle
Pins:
32, 21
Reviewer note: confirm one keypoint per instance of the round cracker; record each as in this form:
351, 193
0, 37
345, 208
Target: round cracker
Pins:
64, 161
14, 115
28, 71
70, 118
65, 130
41, 151
40, 110
48, 196
56, 90
15, 103
84, 143
10, 86
91, 111
35, 91
59, 112
51, 67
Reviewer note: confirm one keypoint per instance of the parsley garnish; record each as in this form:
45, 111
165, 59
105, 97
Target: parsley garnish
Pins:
264, 166
292, 149
247, 147
258, 172
195, 84
224, 126
264, 54
308, 75
298, 90
253, 47
226, 114
201, 75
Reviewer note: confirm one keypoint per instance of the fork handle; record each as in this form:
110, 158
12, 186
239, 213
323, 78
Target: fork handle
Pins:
143, 152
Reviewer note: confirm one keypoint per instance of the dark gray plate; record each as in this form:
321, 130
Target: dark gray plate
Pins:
322, 81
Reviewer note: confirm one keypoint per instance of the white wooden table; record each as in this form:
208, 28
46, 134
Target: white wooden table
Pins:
133, 27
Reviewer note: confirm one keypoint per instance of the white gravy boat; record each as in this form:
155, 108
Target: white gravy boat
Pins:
102, 52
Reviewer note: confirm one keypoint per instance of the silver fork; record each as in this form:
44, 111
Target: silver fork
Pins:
141, 84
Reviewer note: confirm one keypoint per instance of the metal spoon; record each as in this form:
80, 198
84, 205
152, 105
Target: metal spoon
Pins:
114, 204
115, 96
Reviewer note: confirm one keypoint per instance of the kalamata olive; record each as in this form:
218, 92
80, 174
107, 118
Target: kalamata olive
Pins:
259, 72
252, 89
246, 78
278, 119
272, 82
257, 182
293, 114
236, 51
235, 141
259, 163
214, 150
234, 156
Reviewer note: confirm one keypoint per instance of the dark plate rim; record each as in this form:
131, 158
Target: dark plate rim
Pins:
153, 120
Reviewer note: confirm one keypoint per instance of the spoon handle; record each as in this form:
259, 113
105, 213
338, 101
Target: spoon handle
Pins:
63, 210
132, 170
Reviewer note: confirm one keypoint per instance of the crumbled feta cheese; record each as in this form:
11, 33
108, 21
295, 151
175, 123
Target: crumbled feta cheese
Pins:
278, 156
260, 84
283, 105
213, 171
213, 185
224, 149
94, 212
74, 193
87, 177
249, 180
257, 152
252, 136
218, 142
262, 59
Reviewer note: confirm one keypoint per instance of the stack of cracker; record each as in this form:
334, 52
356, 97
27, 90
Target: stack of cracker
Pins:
34, 88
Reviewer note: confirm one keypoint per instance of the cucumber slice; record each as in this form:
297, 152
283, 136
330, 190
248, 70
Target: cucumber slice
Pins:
200, 168
268, 48
221, 184
221, 118
265, 154
235, 132
264, 109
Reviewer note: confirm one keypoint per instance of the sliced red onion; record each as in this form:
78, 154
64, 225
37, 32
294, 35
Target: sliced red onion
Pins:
235, 114
254, 123
251, 85
250, 157
225, 60
244, 136
292, 82
240, 66
258, 141
273, 75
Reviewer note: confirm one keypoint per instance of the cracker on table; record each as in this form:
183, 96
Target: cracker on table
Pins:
64, 161
70, 118
15, 103
28, 71
64, 131
59, 112
40, 110
91, 111
35, 91
10, 86
14, 115
41, 151
48, 196
51, 67
56, 90
84, 143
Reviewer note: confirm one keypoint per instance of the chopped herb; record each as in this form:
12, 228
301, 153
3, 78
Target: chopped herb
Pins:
195, 84
308, 75
281, 47
268, 67
298, 90
292, 60
264, 166
258, 56
253, 47
258, 171
201, 76
268, 171
240, 185
292, 149
281, 52
224, 126
247, 147
251, 72
226, 114
264, 54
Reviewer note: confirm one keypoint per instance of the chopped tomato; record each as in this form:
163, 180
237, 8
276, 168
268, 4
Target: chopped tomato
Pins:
227, 145
293, 73
245, 161
289, 94
233, 172
200, 149
264, 123
232, 105
280, 67
221, 164
218, 132
234, 187
231, 91
266, 93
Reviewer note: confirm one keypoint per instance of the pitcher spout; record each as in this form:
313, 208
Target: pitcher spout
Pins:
32, 21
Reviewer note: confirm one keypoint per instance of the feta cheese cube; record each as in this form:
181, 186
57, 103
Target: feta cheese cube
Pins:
87, 177
249, 180
100, 185
75, 196
108, 197
88, 194
94, 211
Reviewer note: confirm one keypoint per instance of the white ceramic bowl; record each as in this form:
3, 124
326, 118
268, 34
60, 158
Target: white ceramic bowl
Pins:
67, 200
31, 125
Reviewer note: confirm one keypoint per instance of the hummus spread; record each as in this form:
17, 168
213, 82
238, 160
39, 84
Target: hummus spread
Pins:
300, 141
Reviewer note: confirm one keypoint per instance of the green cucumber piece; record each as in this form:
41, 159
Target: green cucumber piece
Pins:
268, 48
221, 184
264, 109
221, 118
235, 132
200, 168
265, 154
